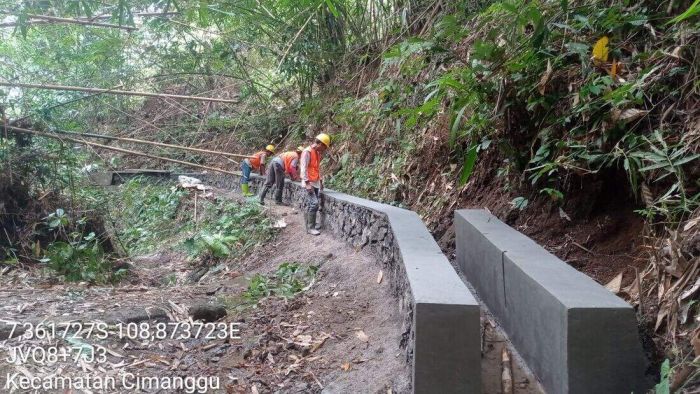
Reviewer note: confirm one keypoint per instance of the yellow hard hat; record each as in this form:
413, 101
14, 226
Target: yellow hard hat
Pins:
300, 148
271, 148
325, 139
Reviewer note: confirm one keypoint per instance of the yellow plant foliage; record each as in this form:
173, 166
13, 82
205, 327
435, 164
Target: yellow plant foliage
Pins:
600, 50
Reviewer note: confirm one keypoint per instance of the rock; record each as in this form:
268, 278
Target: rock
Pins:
207, 312
122, 265
691, 245
197, 274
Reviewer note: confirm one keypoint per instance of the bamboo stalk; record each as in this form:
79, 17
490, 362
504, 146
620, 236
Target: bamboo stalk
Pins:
15, 121
195, 208
113, 91
45, 22
291, 43
15, 24
138, 14
79, 22
138, 141
130, 152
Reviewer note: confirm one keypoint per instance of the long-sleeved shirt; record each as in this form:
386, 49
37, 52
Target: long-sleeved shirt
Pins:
304, 165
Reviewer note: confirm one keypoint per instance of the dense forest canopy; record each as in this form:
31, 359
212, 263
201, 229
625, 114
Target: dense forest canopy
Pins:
263, 46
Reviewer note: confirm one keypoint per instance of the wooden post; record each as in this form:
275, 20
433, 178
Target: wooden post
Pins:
4, 129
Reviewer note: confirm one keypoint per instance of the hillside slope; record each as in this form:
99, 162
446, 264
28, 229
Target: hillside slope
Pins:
579, 126
576, 122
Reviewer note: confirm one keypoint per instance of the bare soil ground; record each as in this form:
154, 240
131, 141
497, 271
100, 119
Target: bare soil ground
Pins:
341, 335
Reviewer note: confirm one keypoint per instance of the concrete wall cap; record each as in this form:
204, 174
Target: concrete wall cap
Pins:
573, 288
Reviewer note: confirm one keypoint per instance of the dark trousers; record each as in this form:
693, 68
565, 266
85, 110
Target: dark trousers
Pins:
275, 176
312, 200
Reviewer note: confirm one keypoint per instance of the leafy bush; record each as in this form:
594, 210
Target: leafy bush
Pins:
289, 280
146, 212
239, 228
75, 255
150, 214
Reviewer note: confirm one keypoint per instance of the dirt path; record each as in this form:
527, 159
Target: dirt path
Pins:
341, 335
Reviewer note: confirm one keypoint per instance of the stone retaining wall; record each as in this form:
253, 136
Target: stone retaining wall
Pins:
442, 318
575, 335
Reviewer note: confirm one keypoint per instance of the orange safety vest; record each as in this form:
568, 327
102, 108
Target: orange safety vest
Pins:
256, 159
313, 170
287, 159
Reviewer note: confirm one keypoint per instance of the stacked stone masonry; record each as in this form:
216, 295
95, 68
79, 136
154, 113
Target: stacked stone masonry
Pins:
442, 318
442, 326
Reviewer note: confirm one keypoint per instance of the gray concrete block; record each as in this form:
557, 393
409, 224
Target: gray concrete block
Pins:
100, 178
574, 334
447, 349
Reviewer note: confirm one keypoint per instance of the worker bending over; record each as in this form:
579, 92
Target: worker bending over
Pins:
254, 162
311, 178
284, 164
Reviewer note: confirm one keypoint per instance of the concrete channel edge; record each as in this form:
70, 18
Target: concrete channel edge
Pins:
574, 334
442, 317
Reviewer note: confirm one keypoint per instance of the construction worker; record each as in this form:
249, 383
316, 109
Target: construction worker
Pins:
311, 178
254, 162
284, 164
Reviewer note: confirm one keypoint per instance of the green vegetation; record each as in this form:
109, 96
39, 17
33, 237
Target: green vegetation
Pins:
289, 280
63, 238
554, 108
532, 92
229, 229
158, 214
146, 213
142, 217
75, 253
664, 385
286, 282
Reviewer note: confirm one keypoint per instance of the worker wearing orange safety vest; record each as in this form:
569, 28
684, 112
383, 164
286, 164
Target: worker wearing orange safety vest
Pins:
285, 163
254, 162
311, 178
